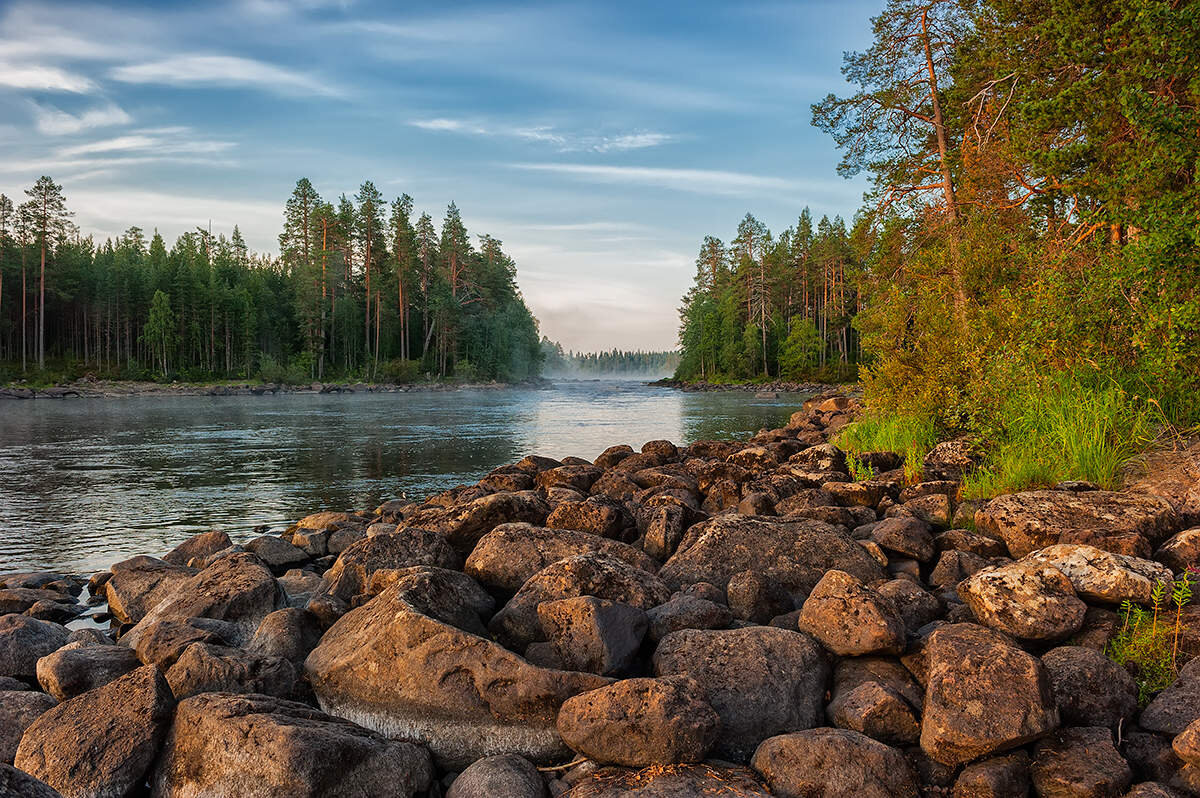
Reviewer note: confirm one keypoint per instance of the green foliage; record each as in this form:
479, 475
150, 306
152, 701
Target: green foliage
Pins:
859, 471
911, 436
557, 361
400, 371
1147, 644
801, 352
272, 371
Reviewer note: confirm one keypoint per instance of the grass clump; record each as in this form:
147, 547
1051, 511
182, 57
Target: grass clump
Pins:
1147, 643
909, 435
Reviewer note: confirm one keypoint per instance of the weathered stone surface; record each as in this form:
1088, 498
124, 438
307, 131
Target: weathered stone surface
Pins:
955, 566
253, 745
139, 583
75, 668
1181, 551
796, 553
22, 599
761, 680
510, 554
595, 574
909, 537
640, 722
276, 552
592, 634
823, 457
1036, 519
598, 515
971, 542
205, 668
877, 710
833, 763
290, 633
18, 784
850, 618
18, 709
754, 596
675, 781
464, 525
1029, 600
916, 605
982, 695
1103, 576
409, 546
1079, 762
25, 640
102, 742
162, 642
447, 596
390, 668
198, 546
1187, 744
998, 777
1089, 688
685, 611
1177, 707
935, 509
506, 775
239, 589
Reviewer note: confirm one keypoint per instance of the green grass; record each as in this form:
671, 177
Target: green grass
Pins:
1062, 431
1147, 644
910, 436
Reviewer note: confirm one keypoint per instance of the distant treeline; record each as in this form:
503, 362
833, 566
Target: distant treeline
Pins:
359, 289
617, 362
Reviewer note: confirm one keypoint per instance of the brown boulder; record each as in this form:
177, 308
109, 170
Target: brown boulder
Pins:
510, 554
205, 668
25, 640
505, 775
1089, 688
17, 784
1025, 599
593, 635
18, 709
76, 668
833, 763
598, 515
464, 525
198, 547
139, 583
851, 619
1079, 762
407, 547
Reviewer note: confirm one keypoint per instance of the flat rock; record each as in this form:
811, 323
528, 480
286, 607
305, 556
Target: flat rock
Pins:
833, 763
851, 619
1025, 599
510, 554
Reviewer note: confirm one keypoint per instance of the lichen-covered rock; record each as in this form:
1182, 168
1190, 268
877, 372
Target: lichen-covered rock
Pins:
1102, 576
833, 763
598, 515
507, 556
1079, 762
1028, 600
851, 619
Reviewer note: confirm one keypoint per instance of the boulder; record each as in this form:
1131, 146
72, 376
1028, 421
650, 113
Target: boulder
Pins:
917, 606
935, 509
407, 547
973, 543
982, 695
756, 597
1034, 520
850, 618
1079, 762
464, 525
162, 643
1181, 551
76, 668
198, 547
673, 781
17, 784
821, 458
665, 528
1178, 706
685, 611
447, 596
597, 514
139, 583
1089, 688
100, 743
511, 553
1102, 576
761, 680
998, 777
390, 668
23, 599
286, 750
25, 640
506, 775
909, 537
833, 763
877, 710
206, 668
593, 635
795, 553
950, 460
290, 633
276, 552
18, 709
640, 722
1025, 599
575, 477
595, 574
955, 566
238, 589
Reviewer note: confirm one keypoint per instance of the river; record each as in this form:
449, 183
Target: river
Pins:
87, 482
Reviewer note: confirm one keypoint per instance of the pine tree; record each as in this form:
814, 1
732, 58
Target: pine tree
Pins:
50, 215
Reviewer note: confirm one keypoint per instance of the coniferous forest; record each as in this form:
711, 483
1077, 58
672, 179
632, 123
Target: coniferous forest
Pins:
359, 289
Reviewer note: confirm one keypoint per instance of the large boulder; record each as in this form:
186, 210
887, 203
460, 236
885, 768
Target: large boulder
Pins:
290, 633
1176, 707
592, 634
982, 694
464, 525
25, 640
685, 611
833, 763
198, 547
795, 553
674, 781
1028, 600
100, 743
506, 775
407, 547
139, 583
76, 668
999, 777
640, 722
761, 680
448, 596
598, 515
18, 709
254, 745
1079, 762
238, 589
511, 553
1103, 576
851, 619
876, 696
390, 668
205, 668
162, 642
1037, 519
1089, 688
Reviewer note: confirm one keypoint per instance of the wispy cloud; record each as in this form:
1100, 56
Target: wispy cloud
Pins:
704, 181
37, 77
161, 141
53, 121
222, 71
563, 141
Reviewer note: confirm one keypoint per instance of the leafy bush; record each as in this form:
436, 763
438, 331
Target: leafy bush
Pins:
271, 370
911, 436
400, 371
1147, 644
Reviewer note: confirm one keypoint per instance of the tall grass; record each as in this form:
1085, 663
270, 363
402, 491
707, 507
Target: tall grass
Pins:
911, 436
1063, 430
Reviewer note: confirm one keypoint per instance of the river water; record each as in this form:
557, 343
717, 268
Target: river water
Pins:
87, 482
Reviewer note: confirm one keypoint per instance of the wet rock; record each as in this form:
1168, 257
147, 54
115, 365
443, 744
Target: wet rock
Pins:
276, 552
25, 640
163, 642
290, 633
392, 669
1089, 688
595, 574
140, 583
410, 546
1176, 707
850, 618
17, 784
198, 547
756, 597
206, 668
833, 763
76, 668
998, 777
640, 722
1102, 576
506, 775
1028, 600
1037, 519
18, 709
687, 612
761, 680
909, 537
510, 554
797, 553
1079, 762
982, 695
593, 635
296, 751
1182, 551
100, 743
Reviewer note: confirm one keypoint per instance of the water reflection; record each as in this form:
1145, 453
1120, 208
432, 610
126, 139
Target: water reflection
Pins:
87, 482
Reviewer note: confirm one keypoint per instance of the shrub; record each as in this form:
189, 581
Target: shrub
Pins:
1147, 644
400, 371
911, 436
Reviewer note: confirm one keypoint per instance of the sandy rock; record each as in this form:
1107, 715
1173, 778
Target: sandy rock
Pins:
851, 619
295, 751
1079, 762
833, 763
1026, 599
205, 668
593, 635
25, 640
18, 709
506, 775
407, 547
1089, 688
198, 547
1102, 576
510, 554
139, 583
74, 669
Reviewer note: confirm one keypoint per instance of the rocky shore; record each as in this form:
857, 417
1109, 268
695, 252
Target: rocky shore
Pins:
775, 386
726, 618
115, 389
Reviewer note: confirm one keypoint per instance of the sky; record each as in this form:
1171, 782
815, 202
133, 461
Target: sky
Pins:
599, 140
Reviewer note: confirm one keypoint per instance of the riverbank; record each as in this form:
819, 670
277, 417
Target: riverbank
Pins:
773, 386
630, 623
115, 389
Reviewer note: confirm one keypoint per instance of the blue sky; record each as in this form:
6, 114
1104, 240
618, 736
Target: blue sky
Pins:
600, 141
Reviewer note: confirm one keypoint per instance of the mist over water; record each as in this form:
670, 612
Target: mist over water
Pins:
84, 483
